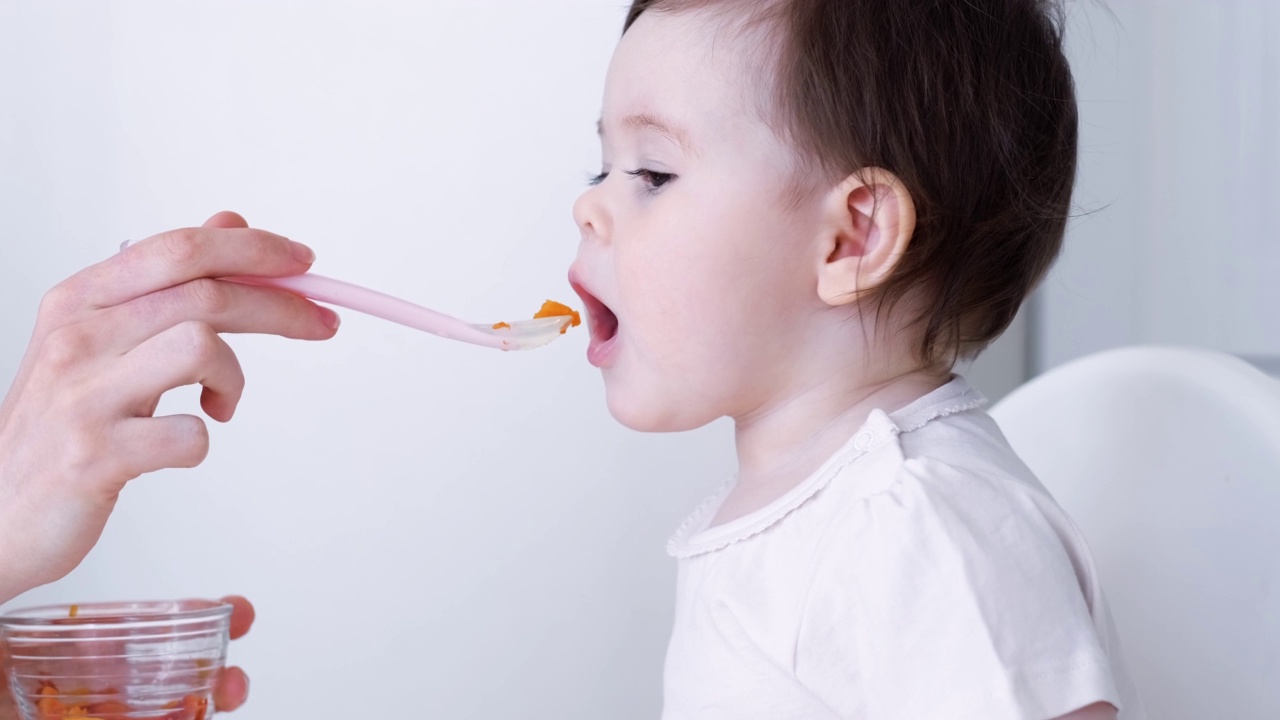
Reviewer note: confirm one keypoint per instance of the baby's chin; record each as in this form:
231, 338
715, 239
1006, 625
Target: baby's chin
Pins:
655, 412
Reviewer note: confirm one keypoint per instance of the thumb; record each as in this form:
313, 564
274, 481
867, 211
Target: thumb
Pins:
226, 219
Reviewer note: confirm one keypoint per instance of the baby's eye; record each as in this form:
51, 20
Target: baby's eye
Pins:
597, 179
652, 178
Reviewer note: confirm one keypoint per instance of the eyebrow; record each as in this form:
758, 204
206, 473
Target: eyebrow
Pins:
655, 123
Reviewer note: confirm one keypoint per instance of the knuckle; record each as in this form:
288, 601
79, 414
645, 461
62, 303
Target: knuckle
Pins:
180, 248
202, 340
87, 422
266, 249
208, 297
65, 347
54, 301
237, 373
60, 301
82, 452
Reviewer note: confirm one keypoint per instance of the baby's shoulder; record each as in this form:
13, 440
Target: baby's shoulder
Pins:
961, 462
966, 445
950, 494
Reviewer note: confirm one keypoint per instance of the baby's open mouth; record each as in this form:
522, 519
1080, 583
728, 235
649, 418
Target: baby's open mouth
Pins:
601, 320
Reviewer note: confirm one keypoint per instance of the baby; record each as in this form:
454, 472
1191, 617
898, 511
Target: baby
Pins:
808, 212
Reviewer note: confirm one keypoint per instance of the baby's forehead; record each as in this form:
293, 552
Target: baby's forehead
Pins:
705, 59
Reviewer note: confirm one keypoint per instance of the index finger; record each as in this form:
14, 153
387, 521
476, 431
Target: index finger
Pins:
179, 256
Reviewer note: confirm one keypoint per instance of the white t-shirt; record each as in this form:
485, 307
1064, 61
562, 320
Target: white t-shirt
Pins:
923, 573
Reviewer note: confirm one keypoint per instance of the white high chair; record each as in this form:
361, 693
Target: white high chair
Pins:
1169, 460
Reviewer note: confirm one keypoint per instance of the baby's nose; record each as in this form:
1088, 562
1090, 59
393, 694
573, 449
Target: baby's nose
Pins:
591, 216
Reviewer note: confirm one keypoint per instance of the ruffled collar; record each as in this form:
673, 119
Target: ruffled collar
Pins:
694, 537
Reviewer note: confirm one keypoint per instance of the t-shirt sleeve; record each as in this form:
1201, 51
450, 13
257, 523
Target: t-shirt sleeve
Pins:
949, 595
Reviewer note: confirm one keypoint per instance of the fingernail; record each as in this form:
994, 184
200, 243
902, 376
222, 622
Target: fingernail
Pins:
302, 253
329, 318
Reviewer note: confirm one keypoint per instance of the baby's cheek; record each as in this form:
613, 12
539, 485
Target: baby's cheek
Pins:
657, 288
696, 301
687, 303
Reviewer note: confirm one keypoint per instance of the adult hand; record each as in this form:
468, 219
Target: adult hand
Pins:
78, 423
233, 684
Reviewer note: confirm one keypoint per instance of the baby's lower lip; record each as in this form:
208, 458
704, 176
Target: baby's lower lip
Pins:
603, 324
600, 351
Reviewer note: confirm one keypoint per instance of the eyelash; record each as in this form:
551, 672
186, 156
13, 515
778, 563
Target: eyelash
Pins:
653, 179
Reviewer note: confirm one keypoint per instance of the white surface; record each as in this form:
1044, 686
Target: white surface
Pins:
1179, 178
1169, 460
425, 526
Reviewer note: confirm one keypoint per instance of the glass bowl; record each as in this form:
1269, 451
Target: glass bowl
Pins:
116, 661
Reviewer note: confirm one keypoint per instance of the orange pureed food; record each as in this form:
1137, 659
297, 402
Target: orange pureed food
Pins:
190, 707
551, 308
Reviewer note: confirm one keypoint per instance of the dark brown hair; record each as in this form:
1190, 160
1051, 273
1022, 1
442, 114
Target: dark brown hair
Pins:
971, 104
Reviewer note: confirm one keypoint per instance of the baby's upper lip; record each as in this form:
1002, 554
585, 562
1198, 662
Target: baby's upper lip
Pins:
597, 309
580, 287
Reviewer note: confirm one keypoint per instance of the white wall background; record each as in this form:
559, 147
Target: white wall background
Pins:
424, 526
1180, 159
1179, 181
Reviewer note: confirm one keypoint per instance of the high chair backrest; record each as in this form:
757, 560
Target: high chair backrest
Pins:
1169, 461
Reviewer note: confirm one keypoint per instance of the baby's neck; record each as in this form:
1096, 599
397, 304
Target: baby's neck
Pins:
781, 445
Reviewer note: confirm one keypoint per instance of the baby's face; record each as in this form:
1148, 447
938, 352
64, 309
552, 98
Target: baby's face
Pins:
695, 264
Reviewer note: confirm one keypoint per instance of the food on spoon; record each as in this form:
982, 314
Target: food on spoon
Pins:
551, 308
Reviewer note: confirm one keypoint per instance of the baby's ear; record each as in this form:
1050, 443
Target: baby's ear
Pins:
869, 219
